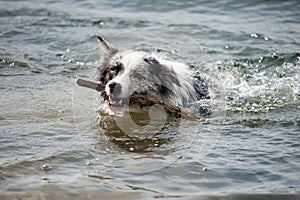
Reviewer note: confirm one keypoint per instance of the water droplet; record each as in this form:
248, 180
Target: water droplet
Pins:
254, 35
46, 167
79, 63
131, 149
67, 50
274, 55
204, 169
266, 38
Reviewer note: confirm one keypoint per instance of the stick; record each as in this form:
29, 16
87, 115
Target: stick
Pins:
176, 111
92, 85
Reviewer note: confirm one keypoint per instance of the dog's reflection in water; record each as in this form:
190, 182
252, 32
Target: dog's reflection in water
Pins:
139, 133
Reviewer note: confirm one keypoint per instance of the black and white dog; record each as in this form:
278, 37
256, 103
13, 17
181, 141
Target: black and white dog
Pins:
137, 72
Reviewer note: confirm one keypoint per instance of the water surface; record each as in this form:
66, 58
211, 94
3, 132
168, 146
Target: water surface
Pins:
52, 143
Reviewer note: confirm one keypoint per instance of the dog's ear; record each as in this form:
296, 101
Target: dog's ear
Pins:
107, 51
165, 76
104, 44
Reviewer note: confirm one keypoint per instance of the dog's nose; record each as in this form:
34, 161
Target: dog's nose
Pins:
115, 87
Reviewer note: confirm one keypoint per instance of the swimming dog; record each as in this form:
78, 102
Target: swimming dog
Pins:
138, 72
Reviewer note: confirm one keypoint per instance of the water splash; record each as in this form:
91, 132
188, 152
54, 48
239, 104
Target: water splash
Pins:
258, 85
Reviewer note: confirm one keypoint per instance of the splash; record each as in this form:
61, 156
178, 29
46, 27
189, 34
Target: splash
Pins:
258, 85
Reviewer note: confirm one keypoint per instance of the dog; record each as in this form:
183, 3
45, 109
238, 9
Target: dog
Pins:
138, 72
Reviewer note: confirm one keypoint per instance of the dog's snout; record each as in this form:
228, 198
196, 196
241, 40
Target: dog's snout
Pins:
114, 87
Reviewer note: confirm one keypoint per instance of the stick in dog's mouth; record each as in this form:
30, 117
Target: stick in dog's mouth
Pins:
92, 85
173, 110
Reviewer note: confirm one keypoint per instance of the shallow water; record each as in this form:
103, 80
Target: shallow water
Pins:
54, 146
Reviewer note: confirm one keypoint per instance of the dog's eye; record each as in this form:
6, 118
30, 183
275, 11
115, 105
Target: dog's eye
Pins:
116, 68
112, 68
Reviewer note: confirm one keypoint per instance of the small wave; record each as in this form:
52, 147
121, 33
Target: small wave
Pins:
11, 67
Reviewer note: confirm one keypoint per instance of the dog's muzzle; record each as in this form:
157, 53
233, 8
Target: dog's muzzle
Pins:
114, 91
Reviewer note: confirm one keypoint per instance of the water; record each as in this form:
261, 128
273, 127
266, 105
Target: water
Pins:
52, 143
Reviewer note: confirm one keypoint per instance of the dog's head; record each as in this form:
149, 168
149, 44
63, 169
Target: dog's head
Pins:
127, 72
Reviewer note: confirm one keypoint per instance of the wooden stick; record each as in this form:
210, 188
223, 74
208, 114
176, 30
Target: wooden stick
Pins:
92, 85
176, 111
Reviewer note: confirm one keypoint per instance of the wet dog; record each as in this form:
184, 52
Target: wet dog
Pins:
137, 72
